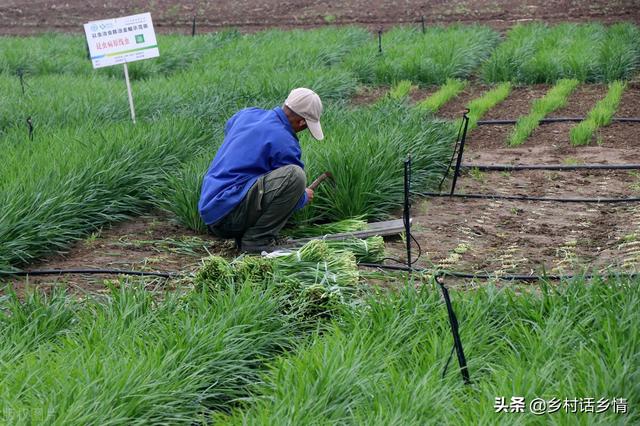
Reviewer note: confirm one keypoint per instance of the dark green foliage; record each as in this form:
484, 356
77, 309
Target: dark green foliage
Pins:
430, 58
539, 53
364, 150
254, 269
67, 54
384, 365
130, 359
68, 183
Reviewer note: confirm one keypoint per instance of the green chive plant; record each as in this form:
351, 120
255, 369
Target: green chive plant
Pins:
554, 99
429, 58
479, 106
174, 359
599, 116
449, 90
590, 52
385, 365
67, 54
68, 183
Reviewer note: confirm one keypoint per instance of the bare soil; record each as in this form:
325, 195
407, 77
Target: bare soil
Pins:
152, 243
38, 16
367, 95
524, 237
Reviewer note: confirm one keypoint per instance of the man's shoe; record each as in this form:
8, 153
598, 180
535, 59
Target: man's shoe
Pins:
259, 247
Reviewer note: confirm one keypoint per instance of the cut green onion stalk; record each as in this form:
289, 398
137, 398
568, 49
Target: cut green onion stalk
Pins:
367, 250
316, 279
307, 231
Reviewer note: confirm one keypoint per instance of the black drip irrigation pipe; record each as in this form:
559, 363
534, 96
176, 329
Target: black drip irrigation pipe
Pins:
454, 154
516, 167
526, 198
406, 214
505, 277
465, 124
21, 77
556, 120
30, 128
457, 343
437, 273
453, 320
89, 272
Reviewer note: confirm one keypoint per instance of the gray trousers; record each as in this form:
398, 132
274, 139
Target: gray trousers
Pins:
265, 209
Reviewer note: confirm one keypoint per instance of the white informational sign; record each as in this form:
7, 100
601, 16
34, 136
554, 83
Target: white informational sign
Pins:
121, 40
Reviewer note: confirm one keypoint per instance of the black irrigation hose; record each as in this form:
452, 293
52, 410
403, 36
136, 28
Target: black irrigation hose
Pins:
444, 273
403, 262
20, 73
89, 272
455, 332
506, 277
453, 155
515, 167
556, 120
30, 127
526, 198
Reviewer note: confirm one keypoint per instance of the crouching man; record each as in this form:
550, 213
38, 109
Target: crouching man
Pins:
257, 180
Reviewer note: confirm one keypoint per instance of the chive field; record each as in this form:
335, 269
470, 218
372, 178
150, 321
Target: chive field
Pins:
308, 337
236, 357
384, 365
542, 53
429, 58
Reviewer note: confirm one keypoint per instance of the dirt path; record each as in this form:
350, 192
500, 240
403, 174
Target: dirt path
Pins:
152, 243
34, 17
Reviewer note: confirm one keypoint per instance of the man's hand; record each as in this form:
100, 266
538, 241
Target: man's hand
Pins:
309, 192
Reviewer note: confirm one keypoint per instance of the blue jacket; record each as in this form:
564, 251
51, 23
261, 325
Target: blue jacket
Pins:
256, 142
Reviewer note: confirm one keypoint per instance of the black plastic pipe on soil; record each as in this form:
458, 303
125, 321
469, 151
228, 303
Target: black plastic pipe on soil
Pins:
504, 277
556, 120
454, 154
516, 167
526, 198
444, 273
89, 272
453, 320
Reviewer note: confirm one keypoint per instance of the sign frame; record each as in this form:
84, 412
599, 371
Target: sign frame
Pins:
121, 40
